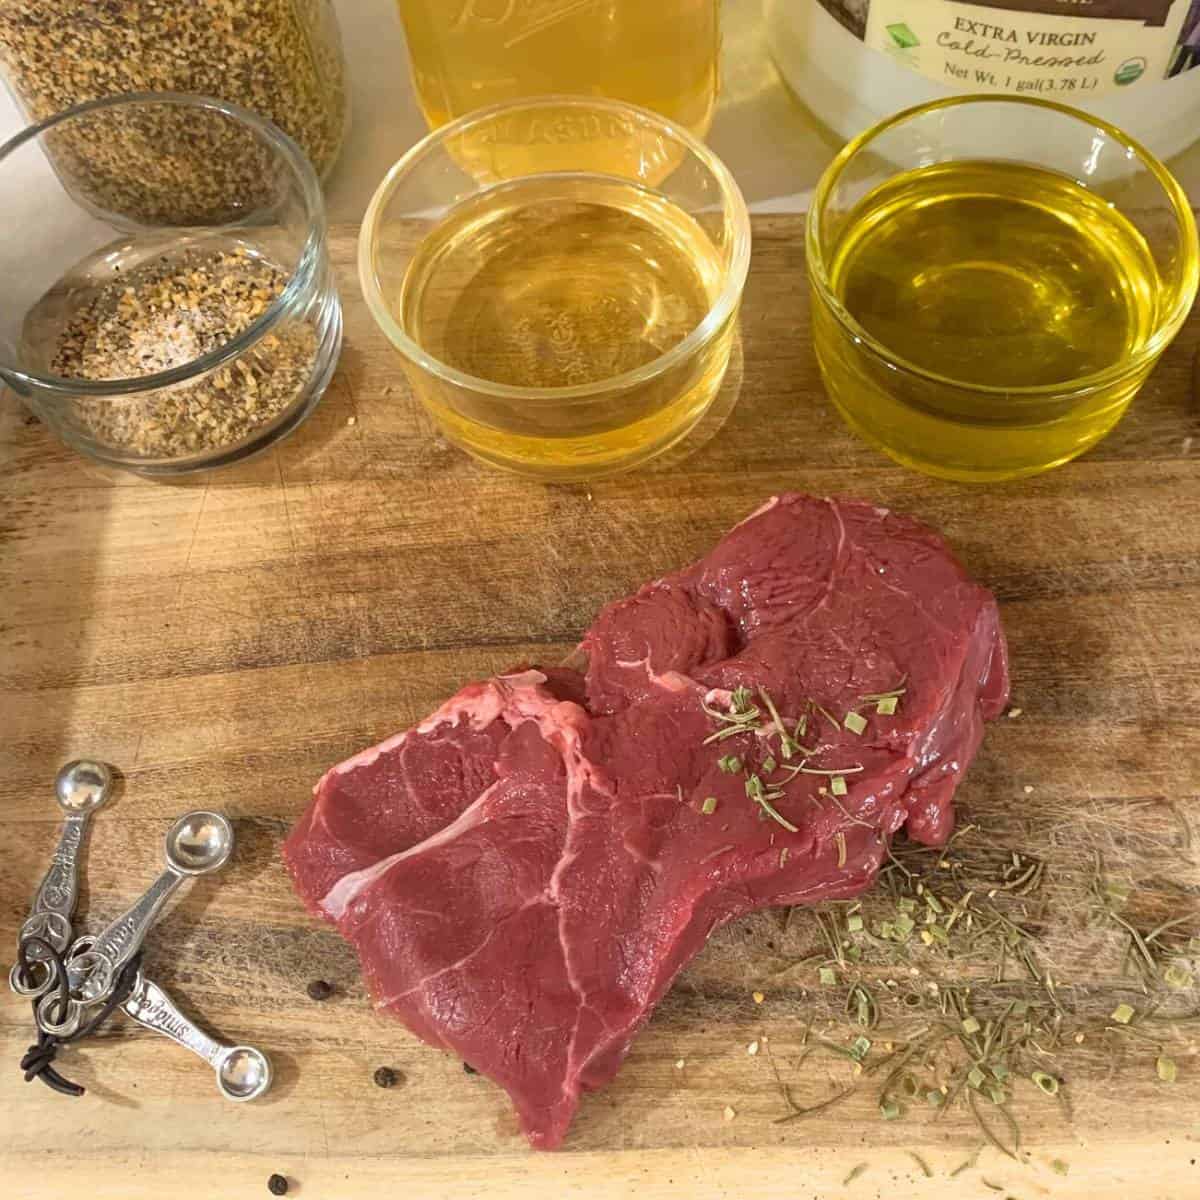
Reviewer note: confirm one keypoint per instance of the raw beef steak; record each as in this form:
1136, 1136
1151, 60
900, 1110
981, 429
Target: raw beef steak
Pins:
525, 872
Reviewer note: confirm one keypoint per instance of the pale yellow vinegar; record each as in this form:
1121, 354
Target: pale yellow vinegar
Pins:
661, 54
993, 274
564, 283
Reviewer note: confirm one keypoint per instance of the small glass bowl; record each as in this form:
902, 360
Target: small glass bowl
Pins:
145, 219
582, 154
962, 430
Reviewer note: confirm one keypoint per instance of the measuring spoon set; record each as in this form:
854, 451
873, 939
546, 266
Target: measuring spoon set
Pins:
198, 843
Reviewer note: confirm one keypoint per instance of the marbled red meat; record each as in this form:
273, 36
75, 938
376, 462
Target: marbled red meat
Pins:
525, 872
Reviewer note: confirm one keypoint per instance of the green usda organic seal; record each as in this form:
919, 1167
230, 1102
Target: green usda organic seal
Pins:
1130, 70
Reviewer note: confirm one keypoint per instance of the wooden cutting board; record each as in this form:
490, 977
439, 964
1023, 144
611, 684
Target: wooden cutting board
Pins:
223, 640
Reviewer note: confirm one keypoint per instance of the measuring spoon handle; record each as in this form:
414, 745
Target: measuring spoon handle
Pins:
94, 973
149, 1005
59, 889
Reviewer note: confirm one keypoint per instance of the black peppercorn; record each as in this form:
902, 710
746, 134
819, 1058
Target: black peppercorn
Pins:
320, 990
469, 1070
277, 1185
385, 1077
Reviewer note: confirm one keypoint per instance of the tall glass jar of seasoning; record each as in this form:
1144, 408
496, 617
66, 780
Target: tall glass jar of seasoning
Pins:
282, 59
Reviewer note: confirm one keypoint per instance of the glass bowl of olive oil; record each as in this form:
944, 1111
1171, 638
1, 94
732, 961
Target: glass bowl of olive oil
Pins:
993, 278
561, 277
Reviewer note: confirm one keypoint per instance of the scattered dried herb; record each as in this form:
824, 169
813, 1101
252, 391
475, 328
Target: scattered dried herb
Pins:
855, 723
756, 791
1177, 977
921, 1163
854, 1173
969, 1163
1047, 1083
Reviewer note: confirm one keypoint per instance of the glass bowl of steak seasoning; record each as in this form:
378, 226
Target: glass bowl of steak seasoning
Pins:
164, 323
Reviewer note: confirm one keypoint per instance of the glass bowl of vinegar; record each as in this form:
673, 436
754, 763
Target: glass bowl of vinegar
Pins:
561, 277
993, 278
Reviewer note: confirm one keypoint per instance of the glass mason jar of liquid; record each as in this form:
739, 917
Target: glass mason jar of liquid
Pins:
660, 54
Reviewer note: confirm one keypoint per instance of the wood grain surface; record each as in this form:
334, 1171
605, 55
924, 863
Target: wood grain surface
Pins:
223, 640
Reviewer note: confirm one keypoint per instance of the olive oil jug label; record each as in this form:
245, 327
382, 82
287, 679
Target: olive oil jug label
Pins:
1059, 49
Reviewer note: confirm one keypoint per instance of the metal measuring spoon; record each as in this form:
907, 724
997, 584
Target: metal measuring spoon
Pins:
197, 844
81, 787
243, 1073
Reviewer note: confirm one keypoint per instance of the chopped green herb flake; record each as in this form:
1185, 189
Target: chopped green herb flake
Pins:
837, 785
828, 977
769, 765
976, 1078
730, 764
907, 904
1059, 1167
854, 924
1123, 1014
709, 806
860, 1047
1047, 1083
855, 723
936, 1098
1166, 1069
889, 1110
1177, 977
887, 706
971, 1026
903, 926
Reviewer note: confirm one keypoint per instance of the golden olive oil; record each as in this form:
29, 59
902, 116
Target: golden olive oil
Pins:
998, 276
558, 282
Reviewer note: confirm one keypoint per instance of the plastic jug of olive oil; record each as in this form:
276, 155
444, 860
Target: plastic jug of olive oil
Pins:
1135, 63
661, 54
